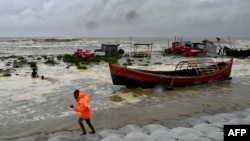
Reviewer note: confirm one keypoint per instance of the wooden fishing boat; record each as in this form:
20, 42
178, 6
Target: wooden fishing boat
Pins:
185, 73
84, 54
185, 48
236, 53
191, 52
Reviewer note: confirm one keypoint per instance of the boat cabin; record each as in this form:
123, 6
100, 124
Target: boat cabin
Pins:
210, 48
108, 50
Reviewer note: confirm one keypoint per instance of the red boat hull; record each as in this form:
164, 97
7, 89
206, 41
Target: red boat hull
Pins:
137, 78
191, 52
84, 54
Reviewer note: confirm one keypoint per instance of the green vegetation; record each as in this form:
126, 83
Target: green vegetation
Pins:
110, 59
143, 64
71, 59
20, 58
50, 61
6, 74
81, 63
128, 62
19, 62
59, 57
33, 65
126, 55
45, 57
15, 64
157, 63
82, 67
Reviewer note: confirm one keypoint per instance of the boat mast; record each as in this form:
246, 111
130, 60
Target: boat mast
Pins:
221, 50
130, 46
229, 41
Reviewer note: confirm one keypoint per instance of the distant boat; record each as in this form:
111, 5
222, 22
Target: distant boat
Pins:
84, 54
187, 48
184, 48
185, 73
191, 52
235, 52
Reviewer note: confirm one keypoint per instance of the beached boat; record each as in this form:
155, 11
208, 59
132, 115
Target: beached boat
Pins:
184, 48
185, 73
188, 48
84, 54
191, 52
236, 53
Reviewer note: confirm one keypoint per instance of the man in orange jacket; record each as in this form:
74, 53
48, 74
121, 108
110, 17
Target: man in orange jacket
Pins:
84, 110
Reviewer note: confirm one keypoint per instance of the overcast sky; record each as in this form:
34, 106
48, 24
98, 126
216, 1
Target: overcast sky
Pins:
124, 18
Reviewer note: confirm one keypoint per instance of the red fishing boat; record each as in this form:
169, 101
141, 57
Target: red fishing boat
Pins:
191, 52
184, 48
84, 54
185, 73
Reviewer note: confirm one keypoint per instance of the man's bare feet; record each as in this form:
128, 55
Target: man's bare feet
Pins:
92, 132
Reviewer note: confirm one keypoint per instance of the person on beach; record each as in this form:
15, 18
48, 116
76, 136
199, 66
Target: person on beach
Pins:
34, 74
84, 110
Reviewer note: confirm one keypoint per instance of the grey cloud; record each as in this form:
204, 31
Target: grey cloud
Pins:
124, 18
91, 25
132, 16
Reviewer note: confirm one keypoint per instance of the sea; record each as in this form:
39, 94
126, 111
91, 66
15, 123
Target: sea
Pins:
35, 106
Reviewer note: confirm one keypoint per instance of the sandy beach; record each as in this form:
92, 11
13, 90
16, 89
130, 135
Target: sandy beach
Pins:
38, 110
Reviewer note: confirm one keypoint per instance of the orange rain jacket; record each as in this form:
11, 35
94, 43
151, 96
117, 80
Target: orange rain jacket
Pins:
83, 106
